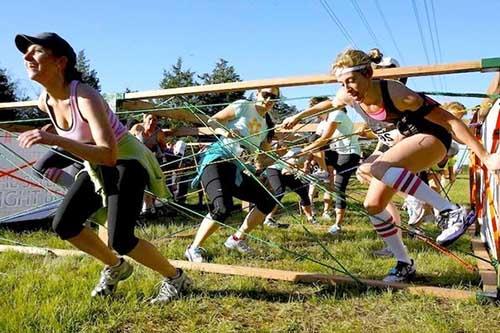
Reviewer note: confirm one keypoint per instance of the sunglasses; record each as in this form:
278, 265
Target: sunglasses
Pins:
267, 94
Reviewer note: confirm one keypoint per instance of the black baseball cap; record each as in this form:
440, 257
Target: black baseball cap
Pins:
50, 40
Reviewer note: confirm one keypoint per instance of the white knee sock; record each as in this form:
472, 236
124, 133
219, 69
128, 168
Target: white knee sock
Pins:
382, 222
407, 182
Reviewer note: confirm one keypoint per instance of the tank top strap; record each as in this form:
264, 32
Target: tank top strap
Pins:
386, 99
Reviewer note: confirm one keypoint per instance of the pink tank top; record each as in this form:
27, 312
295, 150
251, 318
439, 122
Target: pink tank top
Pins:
80, 129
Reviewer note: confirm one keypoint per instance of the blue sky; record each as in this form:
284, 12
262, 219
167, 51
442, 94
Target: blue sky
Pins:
129, 43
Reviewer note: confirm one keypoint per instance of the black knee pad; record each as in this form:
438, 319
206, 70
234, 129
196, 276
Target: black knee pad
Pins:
219, 213
266, 205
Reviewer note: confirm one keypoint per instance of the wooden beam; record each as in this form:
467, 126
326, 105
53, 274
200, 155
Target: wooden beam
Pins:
271, 274
292, 276
14, 105
460, 67
409, 71
40, 251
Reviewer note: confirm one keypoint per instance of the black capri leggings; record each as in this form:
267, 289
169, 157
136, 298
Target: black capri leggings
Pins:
124, 186
218, 181
345, 166
279, 182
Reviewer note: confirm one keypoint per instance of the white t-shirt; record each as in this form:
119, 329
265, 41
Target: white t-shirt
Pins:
343, 140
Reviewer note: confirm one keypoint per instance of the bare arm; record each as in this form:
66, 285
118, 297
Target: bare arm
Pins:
323, 139
406, 99
339, 101
217, 121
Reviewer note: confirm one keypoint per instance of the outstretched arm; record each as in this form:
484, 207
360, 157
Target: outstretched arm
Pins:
339, 101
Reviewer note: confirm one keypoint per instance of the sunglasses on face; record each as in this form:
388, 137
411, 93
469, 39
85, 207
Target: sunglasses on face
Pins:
267, 94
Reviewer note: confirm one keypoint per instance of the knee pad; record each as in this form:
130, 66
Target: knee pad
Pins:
219, 213
267, 205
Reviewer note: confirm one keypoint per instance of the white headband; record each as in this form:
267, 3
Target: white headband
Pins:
341, 71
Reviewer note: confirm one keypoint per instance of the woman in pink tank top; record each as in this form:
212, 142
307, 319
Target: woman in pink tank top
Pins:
87, 128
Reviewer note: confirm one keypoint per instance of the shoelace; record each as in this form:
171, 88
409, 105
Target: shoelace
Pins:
167, 289
107, 274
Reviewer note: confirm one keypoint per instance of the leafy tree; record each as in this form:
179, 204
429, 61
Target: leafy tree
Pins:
222, 73
89, 76
7, 94
281, 110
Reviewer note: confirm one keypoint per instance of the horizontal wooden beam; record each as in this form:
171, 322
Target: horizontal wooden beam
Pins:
271, 274
460, 67
409, 71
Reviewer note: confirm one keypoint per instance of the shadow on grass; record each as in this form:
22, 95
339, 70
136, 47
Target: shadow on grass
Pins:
338, 292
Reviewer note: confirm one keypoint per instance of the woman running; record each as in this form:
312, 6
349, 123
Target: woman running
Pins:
116, 164
222, 176
343, 156
428, 130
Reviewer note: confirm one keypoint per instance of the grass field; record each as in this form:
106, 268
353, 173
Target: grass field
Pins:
46, 294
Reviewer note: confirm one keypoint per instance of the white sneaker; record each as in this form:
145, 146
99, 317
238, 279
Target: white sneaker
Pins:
456, 222
326, 216
402, 272
415, 210
195, 254
172, 288
110, 276
270, 222
384, 252
322, 175
312, 220
335, 229
240, 245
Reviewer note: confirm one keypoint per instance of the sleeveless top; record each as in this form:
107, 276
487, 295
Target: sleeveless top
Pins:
79, 129
409, 122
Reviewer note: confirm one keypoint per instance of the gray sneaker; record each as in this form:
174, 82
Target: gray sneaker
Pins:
172, 288
335, 229
240, 245
110, 276
196, 254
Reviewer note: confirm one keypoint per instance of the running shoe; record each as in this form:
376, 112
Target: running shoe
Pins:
456, 221
270, 222
415, 209
238, 244
110, 276
326, 216
312, 220
335, 229
196, 254
172, 288
402, 272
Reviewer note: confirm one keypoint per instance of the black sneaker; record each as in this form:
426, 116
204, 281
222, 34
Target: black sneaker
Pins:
402, 272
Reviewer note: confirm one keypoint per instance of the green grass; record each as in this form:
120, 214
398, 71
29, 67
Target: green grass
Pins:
45, 294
